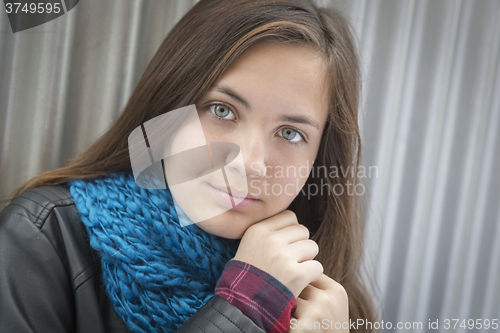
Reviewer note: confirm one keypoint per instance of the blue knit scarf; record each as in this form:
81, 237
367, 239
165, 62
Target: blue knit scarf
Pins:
156, 273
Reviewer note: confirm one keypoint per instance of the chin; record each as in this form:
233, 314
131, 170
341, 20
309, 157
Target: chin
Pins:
232, 236
224, 232
222, 228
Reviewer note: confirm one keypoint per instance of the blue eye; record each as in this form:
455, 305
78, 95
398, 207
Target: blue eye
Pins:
221, 111
291, 135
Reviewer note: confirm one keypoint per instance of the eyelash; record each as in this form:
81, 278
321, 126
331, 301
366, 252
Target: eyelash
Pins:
222, 119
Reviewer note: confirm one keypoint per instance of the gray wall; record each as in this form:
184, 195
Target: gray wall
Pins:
430, 126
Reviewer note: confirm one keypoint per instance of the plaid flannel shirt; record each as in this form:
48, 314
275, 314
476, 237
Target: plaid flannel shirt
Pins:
257, 294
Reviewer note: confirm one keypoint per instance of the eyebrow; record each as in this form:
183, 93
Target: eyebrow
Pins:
233, 94
300, 119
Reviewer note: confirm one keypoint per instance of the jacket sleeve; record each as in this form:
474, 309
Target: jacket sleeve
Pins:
258, 294
218, 315
35, 289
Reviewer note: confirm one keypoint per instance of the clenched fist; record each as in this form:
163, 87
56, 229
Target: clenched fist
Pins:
321, 307
281, 247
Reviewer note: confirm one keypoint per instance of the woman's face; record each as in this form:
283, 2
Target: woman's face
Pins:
272, 103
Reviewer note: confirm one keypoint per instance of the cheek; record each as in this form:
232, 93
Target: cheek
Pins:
213, 131
280, 193
284, 185
291, 186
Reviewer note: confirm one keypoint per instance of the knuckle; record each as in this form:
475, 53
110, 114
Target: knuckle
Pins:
249, 233
275, 257
324, 298
255, 229
290, 214
305, 230
315, 246
273, 238
339, 291
295, 273
279, 256
319, 267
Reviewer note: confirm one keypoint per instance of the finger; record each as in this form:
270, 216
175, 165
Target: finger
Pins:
304, 250
281, 220
323, 282
294, 233
336, 291
302, 306
312, 268
308, 292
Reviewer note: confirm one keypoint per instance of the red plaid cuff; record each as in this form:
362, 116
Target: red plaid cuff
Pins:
260, 296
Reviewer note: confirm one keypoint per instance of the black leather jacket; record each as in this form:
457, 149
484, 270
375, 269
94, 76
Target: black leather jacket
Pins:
50, 278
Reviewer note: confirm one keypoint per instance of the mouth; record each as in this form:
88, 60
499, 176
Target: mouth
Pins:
229, 198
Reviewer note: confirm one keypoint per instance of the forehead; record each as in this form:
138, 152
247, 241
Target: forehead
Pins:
281, 77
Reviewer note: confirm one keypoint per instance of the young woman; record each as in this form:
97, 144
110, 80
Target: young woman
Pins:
84, 248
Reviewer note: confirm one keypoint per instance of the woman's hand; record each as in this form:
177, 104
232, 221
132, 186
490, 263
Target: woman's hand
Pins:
321, 307
281, 247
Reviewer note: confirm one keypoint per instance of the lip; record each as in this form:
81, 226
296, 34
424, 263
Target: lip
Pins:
228, 200
234, 193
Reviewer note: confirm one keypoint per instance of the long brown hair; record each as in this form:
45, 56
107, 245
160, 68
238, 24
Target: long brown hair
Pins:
194, 55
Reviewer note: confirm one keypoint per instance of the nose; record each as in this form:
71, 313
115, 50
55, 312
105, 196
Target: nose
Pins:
254, 153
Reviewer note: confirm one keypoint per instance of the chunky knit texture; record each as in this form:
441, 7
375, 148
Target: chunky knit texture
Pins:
156, 273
